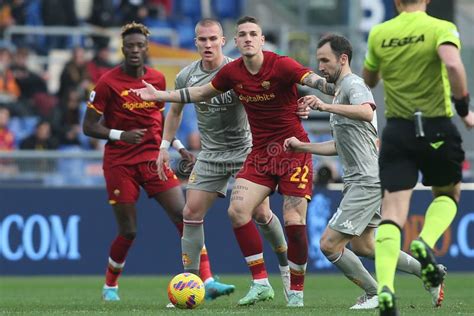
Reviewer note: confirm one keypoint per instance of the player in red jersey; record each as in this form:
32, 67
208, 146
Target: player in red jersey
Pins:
266, 85
134, 129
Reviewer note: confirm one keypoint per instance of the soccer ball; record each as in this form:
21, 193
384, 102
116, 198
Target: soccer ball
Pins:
186, 291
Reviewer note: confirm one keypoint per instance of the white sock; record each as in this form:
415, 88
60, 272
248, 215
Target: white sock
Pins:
262, 281
208, 280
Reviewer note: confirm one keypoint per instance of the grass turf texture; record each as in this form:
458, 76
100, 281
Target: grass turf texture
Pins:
146, 295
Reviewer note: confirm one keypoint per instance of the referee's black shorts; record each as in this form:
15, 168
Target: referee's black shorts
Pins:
439, 155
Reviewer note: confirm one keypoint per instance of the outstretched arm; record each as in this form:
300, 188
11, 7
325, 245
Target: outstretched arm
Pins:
315, 81
361, 112
185, 95
324, 148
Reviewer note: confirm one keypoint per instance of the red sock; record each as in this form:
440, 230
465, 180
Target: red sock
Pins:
297, 255
180, 226
251, 246
118, 253
205, 266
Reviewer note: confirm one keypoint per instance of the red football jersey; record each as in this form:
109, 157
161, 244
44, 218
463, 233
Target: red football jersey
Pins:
269, 97
125, 111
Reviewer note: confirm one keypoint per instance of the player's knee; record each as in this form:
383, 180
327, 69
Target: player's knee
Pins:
192, 214
234, 214
262, 215
328, 248
293, 218
238, 216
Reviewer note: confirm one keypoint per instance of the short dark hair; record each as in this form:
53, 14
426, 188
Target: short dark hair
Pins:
134, 27
339, 45
208, 22
247, 19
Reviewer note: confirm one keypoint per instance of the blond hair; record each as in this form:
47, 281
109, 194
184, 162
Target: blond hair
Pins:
134, 27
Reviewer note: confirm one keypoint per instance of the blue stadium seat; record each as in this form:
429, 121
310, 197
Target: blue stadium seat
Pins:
33, 13
225, 9
22, 127
29, 123
186, 34
189, 8
71, 169
158, 23
33, 18
76, 171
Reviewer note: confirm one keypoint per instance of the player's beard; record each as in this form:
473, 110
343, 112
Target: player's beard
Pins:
333, 78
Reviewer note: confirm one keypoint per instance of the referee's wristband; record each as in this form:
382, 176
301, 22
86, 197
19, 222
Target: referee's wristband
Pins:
462, 105
115, 134
165, 144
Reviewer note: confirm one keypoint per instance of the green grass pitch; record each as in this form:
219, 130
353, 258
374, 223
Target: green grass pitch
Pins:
146, 295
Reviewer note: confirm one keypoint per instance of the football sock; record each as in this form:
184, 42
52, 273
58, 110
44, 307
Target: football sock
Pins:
408, 264
205, 266
192, 244
117, 255
273, 233
387, 250
297, 255
438, 217
284, 269
250, 244
354, 270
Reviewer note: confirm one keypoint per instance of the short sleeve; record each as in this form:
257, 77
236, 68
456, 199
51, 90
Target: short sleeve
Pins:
371, 61
359, 93
223, 79
448, 33
292, 70
179, 82
98, 97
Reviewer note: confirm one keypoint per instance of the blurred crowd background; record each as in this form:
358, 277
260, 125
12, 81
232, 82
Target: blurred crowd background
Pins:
52, 52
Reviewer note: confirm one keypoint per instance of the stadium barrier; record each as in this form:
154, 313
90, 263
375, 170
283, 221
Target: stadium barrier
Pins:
68, 231
77, 32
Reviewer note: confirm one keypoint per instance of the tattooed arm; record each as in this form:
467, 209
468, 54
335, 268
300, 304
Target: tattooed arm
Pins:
315, 81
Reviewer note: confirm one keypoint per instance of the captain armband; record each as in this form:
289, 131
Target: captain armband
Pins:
184, 95
462, 105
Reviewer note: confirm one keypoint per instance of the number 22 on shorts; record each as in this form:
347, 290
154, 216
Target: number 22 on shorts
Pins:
300, 175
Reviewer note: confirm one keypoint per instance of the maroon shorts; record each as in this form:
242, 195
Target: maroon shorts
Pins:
292, 172
123, 182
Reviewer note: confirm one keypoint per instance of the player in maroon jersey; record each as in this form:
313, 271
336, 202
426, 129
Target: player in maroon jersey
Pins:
266, 85
134, 129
